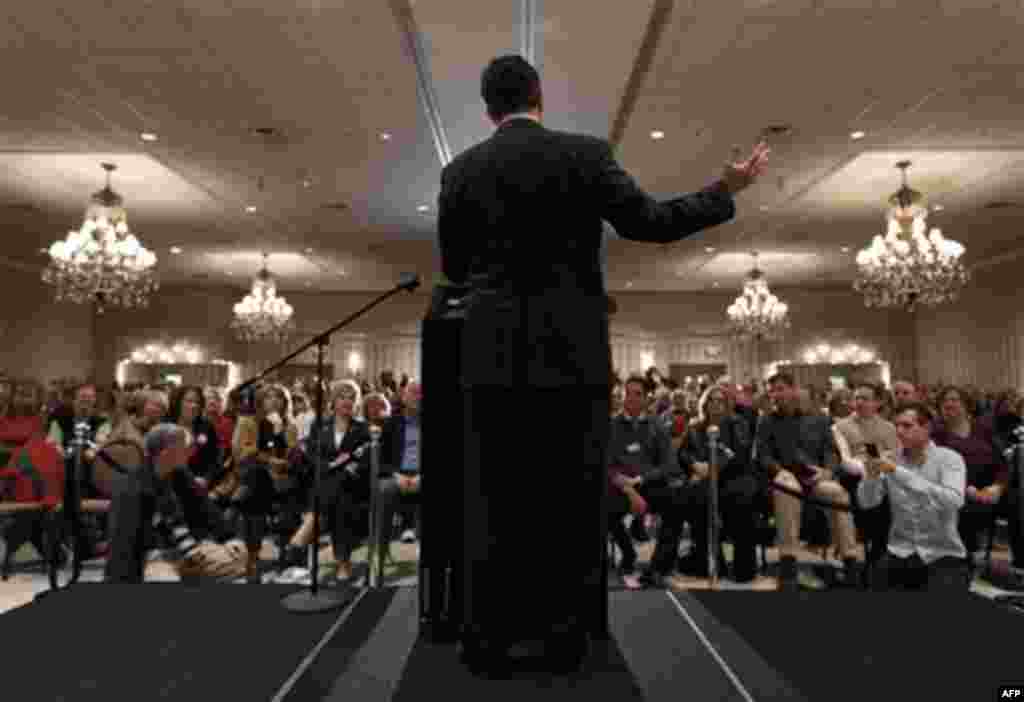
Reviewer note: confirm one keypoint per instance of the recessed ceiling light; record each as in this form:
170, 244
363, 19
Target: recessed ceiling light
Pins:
715, 285
423, 208
657, 134
175, 249
709, 249
309, 250
845, 249
148, 136
384, 136
629, 283
938, 208
857, 135
250, 208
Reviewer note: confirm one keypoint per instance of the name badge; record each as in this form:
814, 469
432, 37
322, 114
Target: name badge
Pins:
633, 448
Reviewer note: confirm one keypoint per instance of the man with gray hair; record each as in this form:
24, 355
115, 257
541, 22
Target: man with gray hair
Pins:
150, 499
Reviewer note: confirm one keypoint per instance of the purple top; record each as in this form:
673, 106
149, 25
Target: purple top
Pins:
985, 464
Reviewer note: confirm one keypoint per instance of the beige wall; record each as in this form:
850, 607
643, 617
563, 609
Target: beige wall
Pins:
979, 339
40, 338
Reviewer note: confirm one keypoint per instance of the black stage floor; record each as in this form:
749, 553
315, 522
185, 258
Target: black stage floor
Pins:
214, 642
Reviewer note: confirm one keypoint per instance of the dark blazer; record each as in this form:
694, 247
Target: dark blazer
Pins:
392, 444
358, 435
734, 432
795, 441
520, 219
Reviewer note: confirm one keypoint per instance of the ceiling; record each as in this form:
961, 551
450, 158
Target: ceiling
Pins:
330, 120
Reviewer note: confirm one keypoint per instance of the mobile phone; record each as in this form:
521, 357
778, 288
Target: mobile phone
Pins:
872, 450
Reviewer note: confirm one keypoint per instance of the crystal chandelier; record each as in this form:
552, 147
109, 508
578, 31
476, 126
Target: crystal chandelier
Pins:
907, 268
757, 313
102, 262
262, 315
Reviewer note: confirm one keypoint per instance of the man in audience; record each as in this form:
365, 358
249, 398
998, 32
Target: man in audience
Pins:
645, 475
147, 501
853, 435
400, 459
925, 484
796, 451
904, 392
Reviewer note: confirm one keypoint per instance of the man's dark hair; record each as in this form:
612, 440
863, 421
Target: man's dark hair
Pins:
509, 85
924, 414
877, 392
783, 378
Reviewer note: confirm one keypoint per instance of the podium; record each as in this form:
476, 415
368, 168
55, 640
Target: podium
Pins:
441, 465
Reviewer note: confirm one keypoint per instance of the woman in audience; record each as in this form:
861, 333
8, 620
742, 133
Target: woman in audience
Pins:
214, 413
840, 405
987, 471
737, 486
206, 459
343, 442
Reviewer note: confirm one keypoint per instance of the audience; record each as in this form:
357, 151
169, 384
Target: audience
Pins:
809, 441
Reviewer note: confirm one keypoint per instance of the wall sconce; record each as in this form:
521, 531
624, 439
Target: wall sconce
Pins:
355, 361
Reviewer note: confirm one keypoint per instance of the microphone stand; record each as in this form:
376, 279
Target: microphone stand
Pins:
315, 599
713, 507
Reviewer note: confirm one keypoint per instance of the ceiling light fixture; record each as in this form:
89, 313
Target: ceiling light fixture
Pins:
384, 136
148, 136
856, 136
709, 249
757, 313
102, 262
250, 208
175, 249
845, 249
910, 266
657, 134
423, 208
262, 315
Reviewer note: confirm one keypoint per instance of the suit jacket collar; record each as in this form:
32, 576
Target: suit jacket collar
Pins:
519, 123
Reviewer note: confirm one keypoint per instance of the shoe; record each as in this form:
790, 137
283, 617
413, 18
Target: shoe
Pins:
653, 579
630, 578
408, 536
788, 574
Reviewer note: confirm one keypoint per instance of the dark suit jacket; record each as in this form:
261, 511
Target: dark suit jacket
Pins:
358, 434
789, 442
520, 219
392, 444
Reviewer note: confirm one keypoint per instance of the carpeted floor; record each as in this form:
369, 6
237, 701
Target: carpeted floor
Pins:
853, 646
432, 668
244, 644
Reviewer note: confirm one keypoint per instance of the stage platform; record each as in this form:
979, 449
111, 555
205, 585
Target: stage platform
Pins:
236, 642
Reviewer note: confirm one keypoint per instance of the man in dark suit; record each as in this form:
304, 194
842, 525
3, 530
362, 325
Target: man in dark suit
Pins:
520, 221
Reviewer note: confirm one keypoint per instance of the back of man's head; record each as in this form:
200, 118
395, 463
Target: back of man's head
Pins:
509, 85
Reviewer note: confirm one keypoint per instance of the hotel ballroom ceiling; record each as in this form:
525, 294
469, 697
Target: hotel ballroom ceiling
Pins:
331, 119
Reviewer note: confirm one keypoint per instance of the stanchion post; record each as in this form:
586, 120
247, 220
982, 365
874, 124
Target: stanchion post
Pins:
713, 546
374, 555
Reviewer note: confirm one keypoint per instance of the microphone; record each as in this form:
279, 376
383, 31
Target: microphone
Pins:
409, 281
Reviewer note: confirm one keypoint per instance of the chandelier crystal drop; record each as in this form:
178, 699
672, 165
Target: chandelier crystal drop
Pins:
910, 266
262, 315
102, 262
757, 313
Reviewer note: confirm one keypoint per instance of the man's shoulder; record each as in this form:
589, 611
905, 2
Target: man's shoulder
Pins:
483, 149
947, 456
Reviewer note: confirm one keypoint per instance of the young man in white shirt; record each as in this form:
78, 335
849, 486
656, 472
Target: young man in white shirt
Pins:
925, 484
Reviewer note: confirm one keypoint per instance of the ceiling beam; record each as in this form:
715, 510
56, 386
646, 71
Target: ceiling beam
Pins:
661, 14
529, 27
424, 79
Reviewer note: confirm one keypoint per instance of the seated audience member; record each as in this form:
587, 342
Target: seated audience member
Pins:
675, 419
925, 484
304, 413
644, 474
853, 434
20, 413
207, 457
343, 442
376, 408
738, 487
840, 404
988, 490
150, 500
618, 395
904, 392
223, 424
796, 451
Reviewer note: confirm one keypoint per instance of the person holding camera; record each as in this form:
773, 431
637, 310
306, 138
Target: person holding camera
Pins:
925, 484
